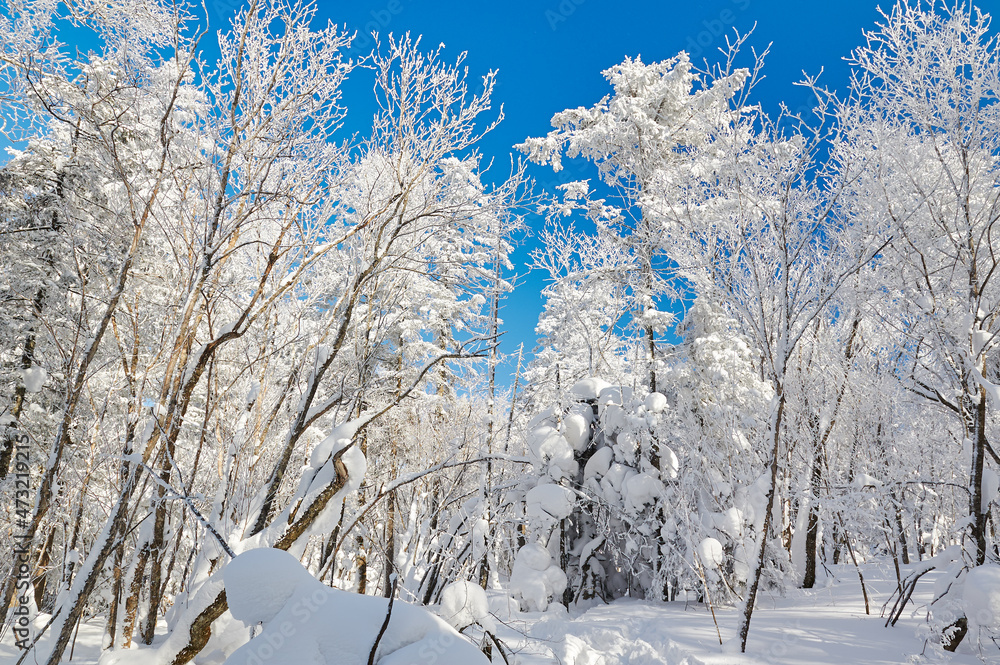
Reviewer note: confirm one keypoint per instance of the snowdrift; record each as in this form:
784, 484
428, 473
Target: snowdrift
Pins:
307, 623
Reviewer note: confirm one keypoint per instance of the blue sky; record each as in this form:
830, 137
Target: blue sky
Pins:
550, 54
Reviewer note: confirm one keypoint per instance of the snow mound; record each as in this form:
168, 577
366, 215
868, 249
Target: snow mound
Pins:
34, 378
655, 402
576, 429
549, 501
307, 623
863, 481
670, 466
589, 389
981, 599
260, 583
599, 463
463, 604
549, 446
534, 556
618, 395
729, 522
534, 578
641, 490
711, 553
614, 418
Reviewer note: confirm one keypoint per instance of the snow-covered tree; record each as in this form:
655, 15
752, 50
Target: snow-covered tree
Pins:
262, 280
654, 116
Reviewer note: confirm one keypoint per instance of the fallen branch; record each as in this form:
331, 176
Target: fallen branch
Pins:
496, 641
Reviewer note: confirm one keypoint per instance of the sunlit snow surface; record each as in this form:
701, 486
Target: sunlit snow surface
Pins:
305, 622
825, 626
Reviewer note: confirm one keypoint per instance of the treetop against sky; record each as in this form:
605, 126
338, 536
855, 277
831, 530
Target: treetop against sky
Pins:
550, 54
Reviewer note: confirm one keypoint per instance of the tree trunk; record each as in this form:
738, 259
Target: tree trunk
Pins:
134, 591
157, 547
976, 480
111, 626
390, 545
903, 546
41, 568
744, 629
812, 526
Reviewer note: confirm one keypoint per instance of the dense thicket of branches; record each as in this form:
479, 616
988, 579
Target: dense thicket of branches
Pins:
228, 326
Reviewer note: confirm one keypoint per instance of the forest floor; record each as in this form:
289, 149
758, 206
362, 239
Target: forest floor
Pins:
823, 626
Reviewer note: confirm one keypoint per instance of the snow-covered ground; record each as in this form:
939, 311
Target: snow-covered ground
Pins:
825, 626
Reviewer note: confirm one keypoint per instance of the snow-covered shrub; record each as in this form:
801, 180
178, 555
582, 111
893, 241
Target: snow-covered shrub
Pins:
649, 494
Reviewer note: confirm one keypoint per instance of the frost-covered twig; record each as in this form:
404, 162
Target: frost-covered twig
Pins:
413, 477
190, 504
385, 624
904, 593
